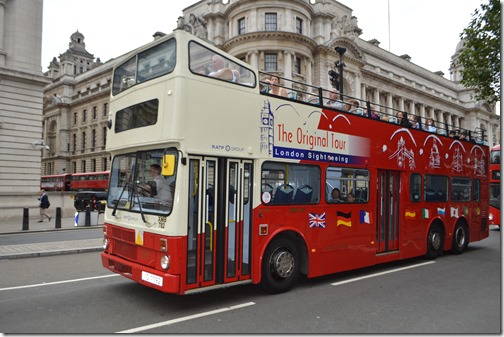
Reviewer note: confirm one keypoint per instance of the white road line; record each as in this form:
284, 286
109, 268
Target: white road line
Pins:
58, 282
186, 318
382, 273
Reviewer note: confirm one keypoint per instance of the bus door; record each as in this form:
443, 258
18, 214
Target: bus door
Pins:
219, 225
387, 215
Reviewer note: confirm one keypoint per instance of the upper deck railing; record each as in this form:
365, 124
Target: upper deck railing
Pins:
331, 99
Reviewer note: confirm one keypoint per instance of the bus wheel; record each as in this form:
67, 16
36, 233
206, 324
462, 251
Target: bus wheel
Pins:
460, 238
434, 242
281, 266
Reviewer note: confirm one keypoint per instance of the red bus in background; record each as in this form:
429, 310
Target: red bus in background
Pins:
56, 182
495, 189
89, 181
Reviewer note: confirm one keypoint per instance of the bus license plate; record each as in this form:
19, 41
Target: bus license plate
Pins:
151, 278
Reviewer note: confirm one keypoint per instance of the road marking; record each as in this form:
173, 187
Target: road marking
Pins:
382, 273
58, 282
186, 318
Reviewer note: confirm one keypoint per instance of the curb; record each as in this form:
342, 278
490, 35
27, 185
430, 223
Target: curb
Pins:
50, 253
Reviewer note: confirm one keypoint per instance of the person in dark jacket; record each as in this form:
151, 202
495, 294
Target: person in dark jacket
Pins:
43, 205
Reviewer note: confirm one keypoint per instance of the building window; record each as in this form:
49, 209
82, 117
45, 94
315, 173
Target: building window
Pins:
105, 109
270, 62
75, 118
93, 139
83, 166
104, 136
94, 112
271, 22
74, 142
104, 164
84, 115
297, 65
299, 26
93, 165
241, 26
74, 167
83, 142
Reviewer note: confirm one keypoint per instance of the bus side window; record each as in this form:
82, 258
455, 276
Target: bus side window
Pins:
415, 185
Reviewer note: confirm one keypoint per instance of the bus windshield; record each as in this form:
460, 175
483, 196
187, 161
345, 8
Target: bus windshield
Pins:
136, 183
154, 62
495, 157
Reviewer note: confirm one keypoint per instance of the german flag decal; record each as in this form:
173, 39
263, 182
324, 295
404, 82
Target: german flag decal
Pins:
344, 219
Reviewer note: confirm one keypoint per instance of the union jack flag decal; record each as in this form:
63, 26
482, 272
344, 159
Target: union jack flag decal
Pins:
316, 220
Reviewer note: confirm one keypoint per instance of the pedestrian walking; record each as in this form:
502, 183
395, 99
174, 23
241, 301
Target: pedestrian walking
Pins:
44, 205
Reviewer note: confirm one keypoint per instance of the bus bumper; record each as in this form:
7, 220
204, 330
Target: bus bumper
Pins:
146, 276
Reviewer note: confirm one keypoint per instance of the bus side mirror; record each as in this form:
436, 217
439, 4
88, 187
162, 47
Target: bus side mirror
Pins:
168, 168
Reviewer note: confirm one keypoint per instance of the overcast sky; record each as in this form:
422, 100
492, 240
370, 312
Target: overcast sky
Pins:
427, 30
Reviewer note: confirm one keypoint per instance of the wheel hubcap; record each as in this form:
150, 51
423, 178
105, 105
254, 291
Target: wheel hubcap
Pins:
460, 236
282, 264
436, 240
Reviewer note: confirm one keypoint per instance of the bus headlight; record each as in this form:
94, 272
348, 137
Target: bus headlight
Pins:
490, 216
165, 262
105, 243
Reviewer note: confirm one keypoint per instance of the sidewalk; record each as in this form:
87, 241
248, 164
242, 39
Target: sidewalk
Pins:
47, 248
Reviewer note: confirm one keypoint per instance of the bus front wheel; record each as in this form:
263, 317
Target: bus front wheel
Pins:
460, 238
435, 241
281, 266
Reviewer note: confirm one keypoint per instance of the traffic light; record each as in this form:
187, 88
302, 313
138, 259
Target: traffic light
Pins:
335, 79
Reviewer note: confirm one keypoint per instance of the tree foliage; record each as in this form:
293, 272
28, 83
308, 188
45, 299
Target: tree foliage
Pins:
480, 54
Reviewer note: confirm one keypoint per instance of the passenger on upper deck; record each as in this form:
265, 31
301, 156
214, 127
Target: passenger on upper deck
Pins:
403, 120
414, 122
275, 88
356, 109
219, 69
334, 102
430, 125
374, 114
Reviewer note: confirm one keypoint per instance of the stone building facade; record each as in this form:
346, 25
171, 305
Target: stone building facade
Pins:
76, 111
21, 89
295, 39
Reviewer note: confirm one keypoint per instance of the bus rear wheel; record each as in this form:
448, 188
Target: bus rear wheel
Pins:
281, 266
460, 238
435, 241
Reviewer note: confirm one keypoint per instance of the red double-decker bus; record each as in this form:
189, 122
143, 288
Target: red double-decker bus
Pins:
91, 181
238, 185
56, 182
495, 186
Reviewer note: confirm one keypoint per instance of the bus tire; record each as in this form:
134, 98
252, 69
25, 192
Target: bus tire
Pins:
281, 266
435, 241
460, 238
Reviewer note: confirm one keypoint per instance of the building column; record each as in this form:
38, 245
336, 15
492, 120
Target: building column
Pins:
253, 58
422, 112
363, 92
3, 54
401, 104
389, 104
287, 66
376, 97
309, 70
357, 86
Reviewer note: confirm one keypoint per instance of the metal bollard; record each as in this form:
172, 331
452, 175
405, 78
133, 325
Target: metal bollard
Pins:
87, 220
25, 219
58, 218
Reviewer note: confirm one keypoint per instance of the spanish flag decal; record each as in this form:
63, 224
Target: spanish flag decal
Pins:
139, 237
410, 214
344, 219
